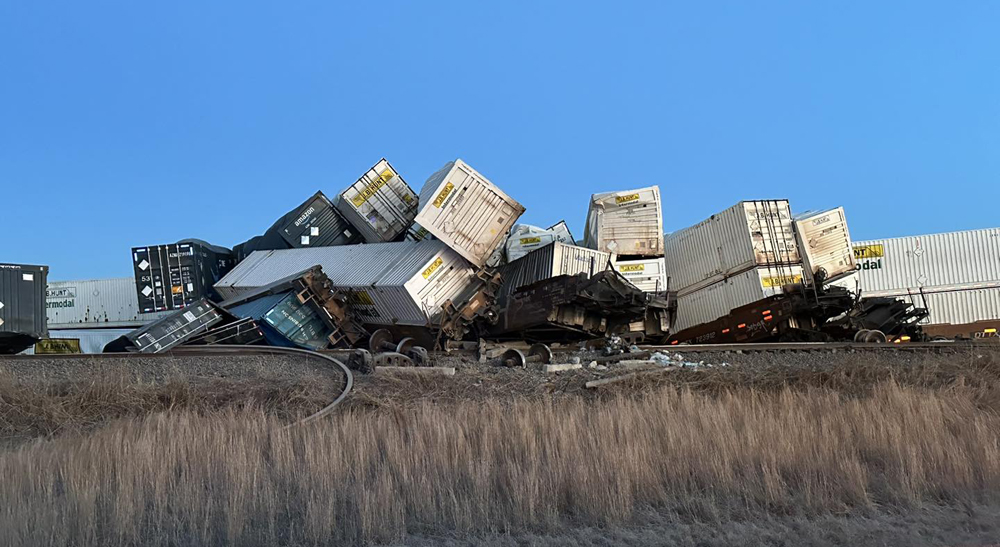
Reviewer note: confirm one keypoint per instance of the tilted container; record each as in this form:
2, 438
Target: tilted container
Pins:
825, 245
648, 275
22, 306
316, 223
744, 236
717, 300
286, 321
169, 277
177, 327
404, 283
552, 260
462, 208
525, 238
95, 303
380, 204
628, 223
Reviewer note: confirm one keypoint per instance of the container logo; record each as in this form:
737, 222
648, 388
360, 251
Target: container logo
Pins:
862, 252
61, 292
530, 240
625, 200
780, 280
58, 304
429, 271
302, 218
631, 268
372, 188
54, 346
445, 192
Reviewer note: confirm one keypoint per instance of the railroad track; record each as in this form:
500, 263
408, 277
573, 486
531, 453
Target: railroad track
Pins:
336, 365
824, 347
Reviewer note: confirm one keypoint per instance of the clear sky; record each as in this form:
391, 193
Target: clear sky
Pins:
137, 123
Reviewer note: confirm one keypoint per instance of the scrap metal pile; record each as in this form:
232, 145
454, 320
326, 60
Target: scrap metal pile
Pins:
381, 267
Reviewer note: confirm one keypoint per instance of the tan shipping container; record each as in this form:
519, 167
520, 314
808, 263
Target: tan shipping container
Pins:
379, 204
462, 208
825, 245
628, 223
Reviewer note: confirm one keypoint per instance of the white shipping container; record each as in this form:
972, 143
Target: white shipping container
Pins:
648, 275
465, 210
525, 238
550, 261
95, 303
402, 283
717, 300
936, 262
628, 223
746, 235
379, 204
825, 245
959, 307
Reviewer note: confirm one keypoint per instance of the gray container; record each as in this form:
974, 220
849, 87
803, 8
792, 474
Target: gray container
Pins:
176, 328
95, 304
379, 204
718, 299
22, 306
550, 261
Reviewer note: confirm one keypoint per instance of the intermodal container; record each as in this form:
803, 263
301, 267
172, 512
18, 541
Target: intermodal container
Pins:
170, 277
175, 328
379, 204
404, 283
628, 223
316, 223
744, 236
717, 300
285, 321
648, 275
550, 261
462, 208
525, 238
95, 303
825, 245
22, 306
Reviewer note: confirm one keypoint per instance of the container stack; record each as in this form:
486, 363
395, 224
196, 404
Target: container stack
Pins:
629, 225
738, 256
170, 277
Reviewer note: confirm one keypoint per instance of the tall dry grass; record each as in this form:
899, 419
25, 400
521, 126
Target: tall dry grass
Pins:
235, 478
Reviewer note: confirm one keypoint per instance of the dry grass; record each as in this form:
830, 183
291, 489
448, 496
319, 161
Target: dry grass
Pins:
487, 466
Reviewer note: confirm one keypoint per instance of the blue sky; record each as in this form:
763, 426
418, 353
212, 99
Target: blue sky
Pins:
134, 123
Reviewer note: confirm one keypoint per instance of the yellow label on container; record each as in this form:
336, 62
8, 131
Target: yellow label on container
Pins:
433, 267
445, 192
628, 268
370, 190
530, 240
360, 298
622, 200
869, 251
54, 346
780, 280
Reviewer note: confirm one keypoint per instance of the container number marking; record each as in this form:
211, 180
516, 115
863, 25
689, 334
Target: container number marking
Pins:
624, 200
429, 270
372, 188
445, 192
869, 251
780, 280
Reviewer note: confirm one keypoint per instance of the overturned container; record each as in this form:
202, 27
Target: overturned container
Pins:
177, 327
316, 223
550, 261
465, 210
406, 283
525, 238
648, 274
744, 236
825, 245
379, 204
628, 223
717, 300
170, 277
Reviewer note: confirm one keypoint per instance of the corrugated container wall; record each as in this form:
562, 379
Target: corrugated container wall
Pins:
550, 261
467, 211
317, 223
22, 301
746, 235
825, 245
629, 223
380, 204
934, 263
525, 238
648, 275
717, 300
170, 277
959, 307
403, 283
95, 303
176, 327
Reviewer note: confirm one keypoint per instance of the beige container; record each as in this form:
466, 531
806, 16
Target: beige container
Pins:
825, 245
746, 235
379, 204
648, 275
525, 238
718, 299
465, 210
628, 223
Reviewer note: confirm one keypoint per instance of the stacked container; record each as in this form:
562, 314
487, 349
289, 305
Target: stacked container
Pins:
550, 261
628, 223
379, 204
647, 274
94, 304
401, 283
955, 275
525, 238
170, 277
466, 211
825, 245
